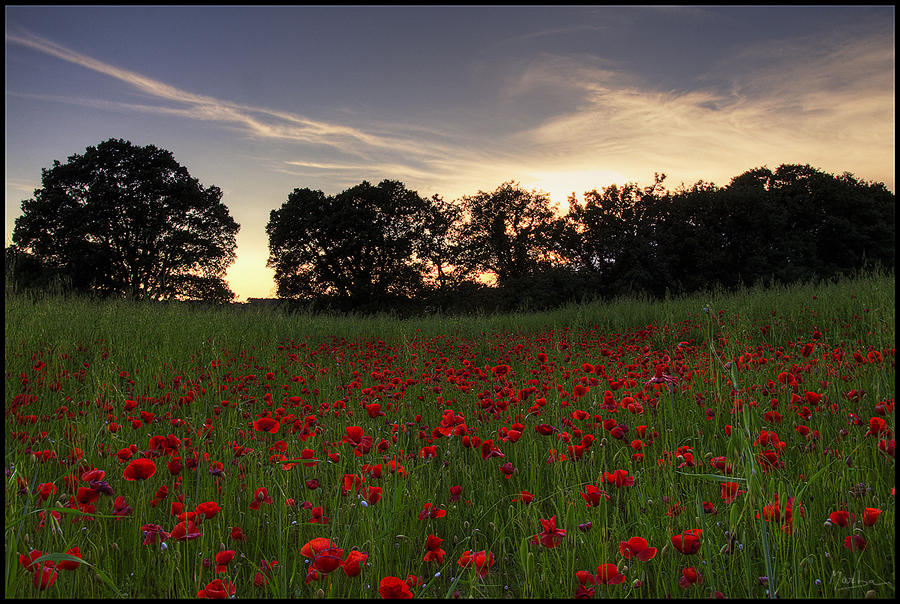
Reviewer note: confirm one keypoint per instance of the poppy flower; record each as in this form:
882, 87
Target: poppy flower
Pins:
507, 469
372, 495
223, 558
855, 543
431, 512
216, 590
524, 498
434, 553
328, 559
593, 496
266, 424
637, 547
608, 574
237, 534
313, 547
185, 531
840, 518
394, 588
689, 576
551, 536
354, 563
730, 491
209, 509
45, 576
620, 478
688, 542
139, 469
455, 493
152, 532
871, 516
121, 507
482, 561
260, 496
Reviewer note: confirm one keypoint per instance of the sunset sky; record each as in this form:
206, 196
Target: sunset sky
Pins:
448, 100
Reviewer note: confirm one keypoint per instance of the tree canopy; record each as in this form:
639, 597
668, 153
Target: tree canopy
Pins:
128, 220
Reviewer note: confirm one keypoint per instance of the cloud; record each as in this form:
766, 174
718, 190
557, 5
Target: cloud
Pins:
257, 121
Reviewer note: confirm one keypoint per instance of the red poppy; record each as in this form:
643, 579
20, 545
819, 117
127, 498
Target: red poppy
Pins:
394, 588
730, 491
551, 536
266, 424
855, 543
260, 496
688, 542
608, 574
209, 509
313, 547
237, 533
139, 469
328, 559
524, 498
45, 576
637, 547
434, 553
354, 563
431, 512
840, 518
871, 516
372, 495
185, 531
455, 493
690, 576
216, 590
223, 558
482, 561
620, 478
593, 496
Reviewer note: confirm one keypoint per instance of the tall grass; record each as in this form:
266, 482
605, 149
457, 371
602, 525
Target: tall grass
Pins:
168, 349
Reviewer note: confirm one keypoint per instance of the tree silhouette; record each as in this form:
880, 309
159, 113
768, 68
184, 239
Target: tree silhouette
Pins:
356, 247
510, 229
122, 219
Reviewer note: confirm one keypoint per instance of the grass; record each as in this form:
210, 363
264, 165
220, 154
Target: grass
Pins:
181, 363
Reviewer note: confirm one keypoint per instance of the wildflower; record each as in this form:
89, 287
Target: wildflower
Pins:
354, 563
608, 574
593, 496
482, 561
551, 536
434, 553
688, 542
620, 478
216, 590
871, 516
209, 509
524, 498
223, 558
185, 531
690, 576
139, 469
637, 547
394, 588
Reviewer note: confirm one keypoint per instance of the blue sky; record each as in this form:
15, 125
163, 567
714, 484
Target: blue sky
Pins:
449, 100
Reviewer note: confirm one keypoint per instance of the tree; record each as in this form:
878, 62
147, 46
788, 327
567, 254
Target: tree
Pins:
127, 220
449, 259
512, 229
356, 246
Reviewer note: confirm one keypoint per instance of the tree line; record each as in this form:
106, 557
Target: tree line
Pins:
123, 220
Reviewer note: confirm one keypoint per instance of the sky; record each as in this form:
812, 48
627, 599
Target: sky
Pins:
449, 100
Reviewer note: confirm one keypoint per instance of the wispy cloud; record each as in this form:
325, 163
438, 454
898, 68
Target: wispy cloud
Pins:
260, 122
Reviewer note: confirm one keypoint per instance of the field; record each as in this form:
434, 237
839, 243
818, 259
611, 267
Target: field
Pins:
725, 444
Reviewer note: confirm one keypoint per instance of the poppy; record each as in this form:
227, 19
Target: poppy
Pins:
139, 469
394, 588
840, 518
690, 576
455, 493
434, 553
637, 547
354, 563
871, 516
551, 536
216, 590
431, 512
328, 559
620, 478
482, 561
266, 424
209, 509
152, 532
855, 543
593, 496
45, 576
185, 531
237, 533
524, 498
688, 542
608, 574
223, 558
730, 491
313, 547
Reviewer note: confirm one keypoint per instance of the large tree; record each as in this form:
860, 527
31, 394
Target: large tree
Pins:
356, 246
128, 220
512, 229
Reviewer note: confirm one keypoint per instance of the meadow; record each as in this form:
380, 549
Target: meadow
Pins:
723, 444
